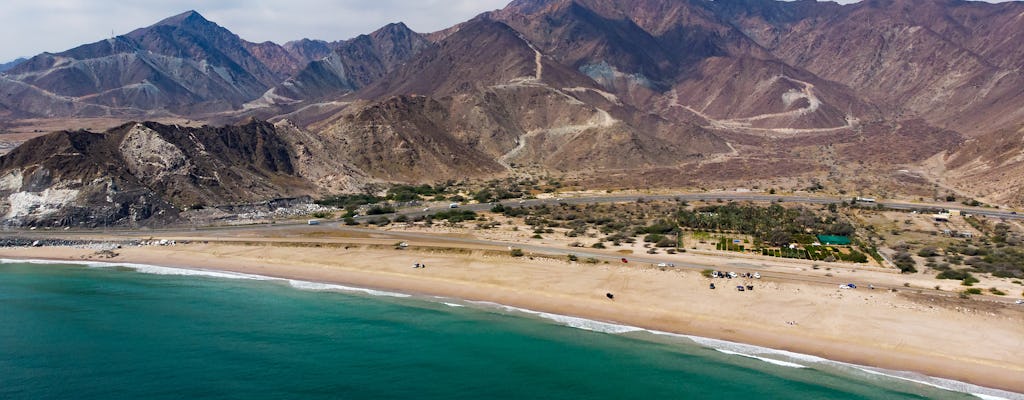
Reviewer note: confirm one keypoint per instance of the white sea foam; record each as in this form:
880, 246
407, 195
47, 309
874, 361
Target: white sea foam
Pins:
452, 304
573, 322
747, 350
160, 270
946, 384
317, 286
147, 269
765, 359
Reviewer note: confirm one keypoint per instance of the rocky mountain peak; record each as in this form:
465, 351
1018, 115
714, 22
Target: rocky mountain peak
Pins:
185, 19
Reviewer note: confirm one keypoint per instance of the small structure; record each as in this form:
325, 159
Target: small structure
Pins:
313, 222
833, 240
941, 217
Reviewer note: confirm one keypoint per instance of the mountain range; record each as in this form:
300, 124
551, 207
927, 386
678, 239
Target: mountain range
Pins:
887, 97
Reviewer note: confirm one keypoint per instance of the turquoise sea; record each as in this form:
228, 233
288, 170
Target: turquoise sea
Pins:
141, 332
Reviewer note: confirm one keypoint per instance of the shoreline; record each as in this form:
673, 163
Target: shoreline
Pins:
989, 366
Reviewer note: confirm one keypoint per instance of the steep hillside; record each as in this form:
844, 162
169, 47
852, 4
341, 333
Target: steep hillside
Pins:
684, 60
990, 166
489, 96
183, 65
143, 172
11, 64
953, 63
354, 64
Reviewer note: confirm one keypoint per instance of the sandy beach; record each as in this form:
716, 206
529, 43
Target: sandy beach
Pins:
973, 341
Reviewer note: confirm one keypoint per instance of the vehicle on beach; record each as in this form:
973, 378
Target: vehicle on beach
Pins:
714, 274
740, 288
662, 264
712, 286
1019, 302
625, 261
848, 286
757, 275
733, 275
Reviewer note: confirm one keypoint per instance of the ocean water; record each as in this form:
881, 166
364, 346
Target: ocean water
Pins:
141, 332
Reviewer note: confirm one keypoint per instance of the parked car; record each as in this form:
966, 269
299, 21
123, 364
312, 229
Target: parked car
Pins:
757, 275
740, 288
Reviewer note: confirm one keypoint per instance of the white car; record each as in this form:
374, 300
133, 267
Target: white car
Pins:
733, 275
1019, 302
662, 265
757, 275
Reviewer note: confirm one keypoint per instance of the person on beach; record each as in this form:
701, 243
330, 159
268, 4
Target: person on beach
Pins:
610, 296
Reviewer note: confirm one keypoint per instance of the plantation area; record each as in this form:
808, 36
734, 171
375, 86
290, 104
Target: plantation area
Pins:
772, 230
969, 249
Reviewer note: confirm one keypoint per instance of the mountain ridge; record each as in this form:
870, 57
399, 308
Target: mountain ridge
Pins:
681, 93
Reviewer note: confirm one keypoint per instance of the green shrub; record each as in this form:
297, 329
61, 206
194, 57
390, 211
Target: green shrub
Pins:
348, 200
905, 262
653, 238
573, 258
928, 252
954, 274
996, 292
378, 210
517, 253
970, 281
455, 215
973, 291
666, 242
598, 245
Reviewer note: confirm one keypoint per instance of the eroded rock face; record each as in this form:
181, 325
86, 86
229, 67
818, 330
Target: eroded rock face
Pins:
151, 158
143, 173
39, 204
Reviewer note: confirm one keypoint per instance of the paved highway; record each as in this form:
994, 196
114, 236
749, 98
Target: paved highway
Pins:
729, 196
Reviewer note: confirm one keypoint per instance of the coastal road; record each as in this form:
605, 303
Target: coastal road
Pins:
723, 196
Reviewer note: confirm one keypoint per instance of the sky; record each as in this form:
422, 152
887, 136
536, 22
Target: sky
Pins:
30, 27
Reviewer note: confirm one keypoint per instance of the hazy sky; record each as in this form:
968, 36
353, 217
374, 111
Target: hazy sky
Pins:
29, 27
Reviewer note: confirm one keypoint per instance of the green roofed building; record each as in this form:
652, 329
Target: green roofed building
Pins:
834, 240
